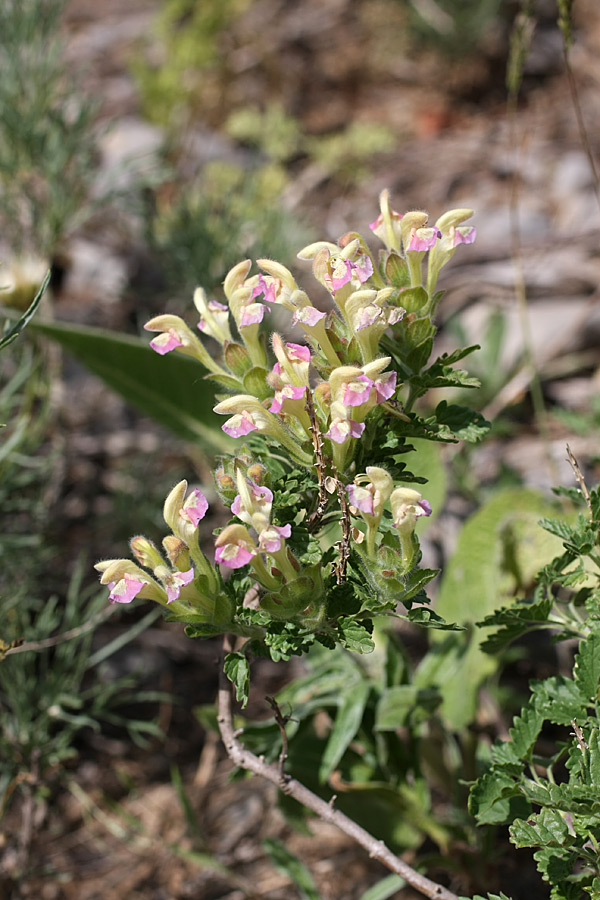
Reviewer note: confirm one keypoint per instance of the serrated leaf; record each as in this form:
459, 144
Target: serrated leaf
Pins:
558, 527
499, 896
558, 699
514, 621
347, 722
291, 866
466, 424
495, 799
416, 581
355, 636
587, 667
546, 829
427, 618
169, 389
237, 669
525, 730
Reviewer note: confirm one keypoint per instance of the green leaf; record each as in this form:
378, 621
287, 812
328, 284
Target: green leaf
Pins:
413, 299
13, 333
559, 699
291, 866
499, 548
466, 424
587, 667
416, 581
169, 389
495, 799
427, 618
355, 636
499, 896
405, 703
514, 621
237, 669
347, 722
384, 889
546, 829
525, 731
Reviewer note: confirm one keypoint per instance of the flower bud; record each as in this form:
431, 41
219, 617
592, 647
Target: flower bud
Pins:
145, 552
407, 506
236, 277
178, 552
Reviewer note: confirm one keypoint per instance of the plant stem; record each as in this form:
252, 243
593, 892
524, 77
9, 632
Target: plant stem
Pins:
326, 811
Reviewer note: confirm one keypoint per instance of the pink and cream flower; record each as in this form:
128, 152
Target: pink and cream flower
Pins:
175, 335
235, 547
407, 506
387, 226
270, 539
214, 317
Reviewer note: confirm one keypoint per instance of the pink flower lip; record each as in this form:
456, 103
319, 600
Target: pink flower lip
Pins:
425, 508
288, 392
363, 268
396, 314
368, 316
269, 289
176, 581
307, 316
298, 352
126, 589
260, 493
374, 225
385, 386
239, 425
195, 507
464, 234
252, 314
361, 497
166, 342
357, 392
234, 556
424, 239
340, 278
270, 538
342, 429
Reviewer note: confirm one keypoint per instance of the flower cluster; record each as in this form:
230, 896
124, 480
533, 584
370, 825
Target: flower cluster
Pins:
319, 398
184, 581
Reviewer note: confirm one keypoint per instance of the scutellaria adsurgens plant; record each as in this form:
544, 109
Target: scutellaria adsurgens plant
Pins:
322, 537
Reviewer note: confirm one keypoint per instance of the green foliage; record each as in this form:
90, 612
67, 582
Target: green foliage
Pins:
169, 394
11, 333
277, 135
498, 552
54, 689
291, 866
201, 232
544, 784
47, 132
376, 744
189, 33
453, 25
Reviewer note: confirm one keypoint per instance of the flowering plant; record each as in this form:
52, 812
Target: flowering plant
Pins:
324, 508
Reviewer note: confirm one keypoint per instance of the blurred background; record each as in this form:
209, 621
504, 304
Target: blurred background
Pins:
145, 148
